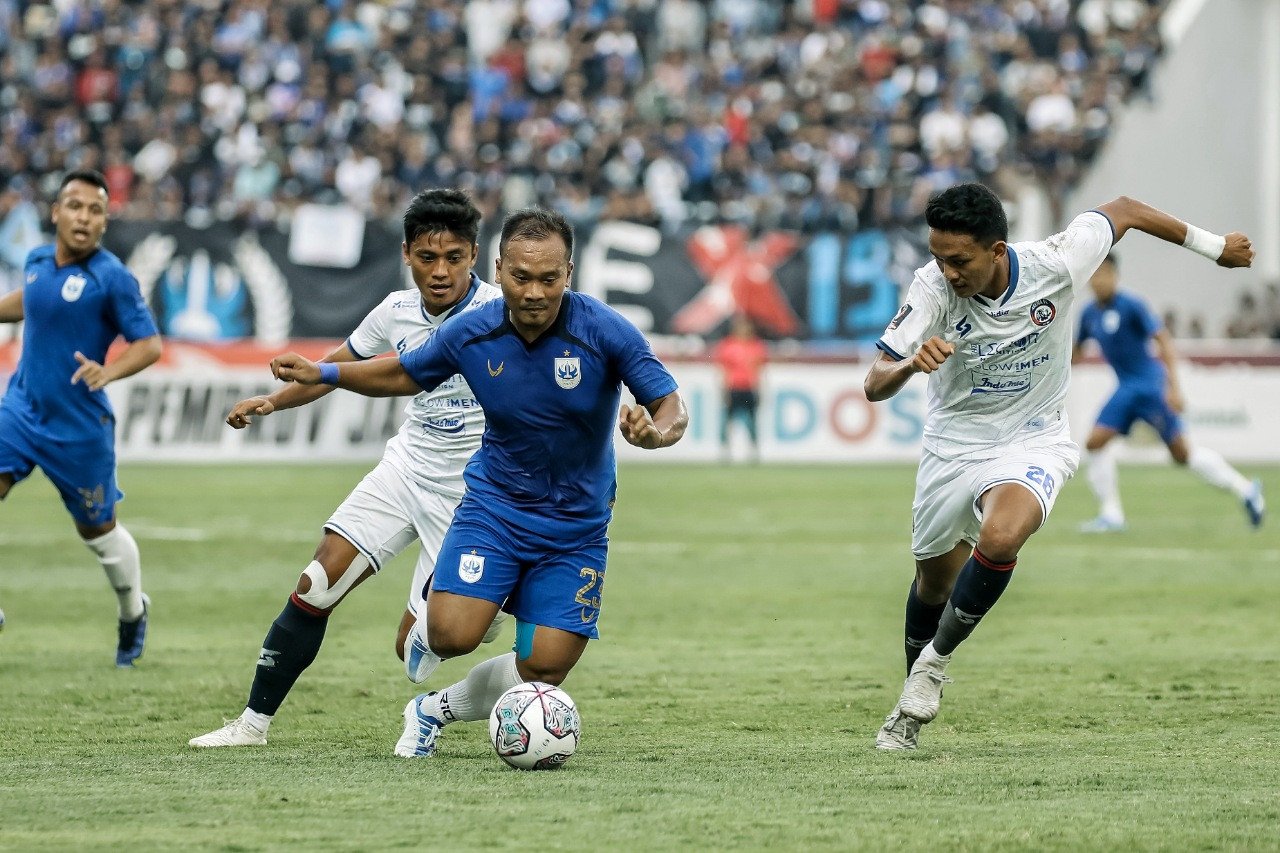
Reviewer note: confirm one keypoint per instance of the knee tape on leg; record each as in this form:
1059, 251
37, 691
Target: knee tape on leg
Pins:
524, 639
322, 596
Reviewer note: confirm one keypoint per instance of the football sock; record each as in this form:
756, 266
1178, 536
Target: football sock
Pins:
1100, 471
1215, 470
261, 722
922, 624
291, 645
977, 589
118, 554
473, 697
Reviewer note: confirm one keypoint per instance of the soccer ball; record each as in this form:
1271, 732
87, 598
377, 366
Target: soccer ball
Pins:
535, 726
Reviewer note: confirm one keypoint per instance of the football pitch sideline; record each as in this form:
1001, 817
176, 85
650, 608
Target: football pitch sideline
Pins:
1121, 696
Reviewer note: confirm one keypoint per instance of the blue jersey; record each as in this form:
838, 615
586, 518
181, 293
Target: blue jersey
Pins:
1123, 329
81, 307
551, 406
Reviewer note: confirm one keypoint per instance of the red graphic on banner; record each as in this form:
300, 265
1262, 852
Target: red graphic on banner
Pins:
740, 279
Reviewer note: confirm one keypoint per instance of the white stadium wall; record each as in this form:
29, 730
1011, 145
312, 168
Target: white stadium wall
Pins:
1206, 148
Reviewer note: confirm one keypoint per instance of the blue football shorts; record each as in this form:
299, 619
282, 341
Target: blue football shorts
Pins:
1132, 403
544, 579
82, 469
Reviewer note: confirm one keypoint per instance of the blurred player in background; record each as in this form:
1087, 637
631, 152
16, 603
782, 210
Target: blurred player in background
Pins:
988, 321
1148, 390
76, 299
741, 356
547, 365
413, 491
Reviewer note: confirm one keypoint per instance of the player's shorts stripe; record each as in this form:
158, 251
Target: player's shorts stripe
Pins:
377, 566
889, 351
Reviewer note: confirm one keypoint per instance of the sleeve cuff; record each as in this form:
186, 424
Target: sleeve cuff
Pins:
889, 351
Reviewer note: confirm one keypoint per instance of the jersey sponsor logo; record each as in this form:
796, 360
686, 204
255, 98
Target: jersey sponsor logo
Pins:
1043, 312
402, 345
964, 327
73, 287
471, 567
899, 317
568, 372
494, 371
449, 425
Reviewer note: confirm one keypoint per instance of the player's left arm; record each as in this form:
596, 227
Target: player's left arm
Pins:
378, 377
11, 307
1232, 250
1166, 353
138, 355
660, 423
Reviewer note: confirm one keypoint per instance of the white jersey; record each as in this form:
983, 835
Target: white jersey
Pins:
1007, 381
443, 425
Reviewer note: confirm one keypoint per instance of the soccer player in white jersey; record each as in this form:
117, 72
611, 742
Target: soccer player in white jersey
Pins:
413, 491
989, 321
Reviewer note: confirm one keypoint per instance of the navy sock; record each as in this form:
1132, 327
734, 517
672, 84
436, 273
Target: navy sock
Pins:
291, 645
979, 586
922, 624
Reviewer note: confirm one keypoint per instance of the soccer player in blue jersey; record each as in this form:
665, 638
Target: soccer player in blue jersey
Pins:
547, 365
77, 299
1148, 390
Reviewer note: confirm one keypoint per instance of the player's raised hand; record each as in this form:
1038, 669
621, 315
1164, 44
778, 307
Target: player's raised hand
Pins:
292, 367
1238, 251
242, 413
931, 354
93, 374
638, 428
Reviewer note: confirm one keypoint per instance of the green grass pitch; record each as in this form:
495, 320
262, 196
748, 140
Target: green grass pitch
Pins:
1123, 695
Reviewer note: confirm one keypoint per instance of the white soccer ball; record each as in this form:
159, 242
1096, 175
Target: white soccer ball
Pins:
535, 726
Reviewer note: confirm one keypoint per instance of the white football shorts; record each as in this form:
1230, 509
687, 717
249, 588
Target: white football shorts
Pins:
945, 510
385, 512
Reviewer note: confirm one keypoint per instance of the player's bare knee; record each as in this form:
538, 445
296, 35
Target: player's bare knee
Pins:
452, 643
1001, 543
549, 672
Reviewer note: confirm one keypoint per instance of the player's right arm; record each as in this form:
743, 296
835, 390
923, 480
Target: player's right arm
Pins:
1166, 353
887, 374
378, 377
289, 397
11, 307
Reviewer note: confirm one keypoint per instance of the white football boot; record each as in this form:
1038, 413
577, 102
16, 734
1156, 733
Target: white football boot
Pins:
922, 692
420, 731
237, 732
898, 732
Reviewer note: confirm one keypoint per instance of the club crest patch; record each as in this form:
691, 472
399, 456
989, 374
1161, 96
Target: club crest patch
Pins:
1043, 312
568, 372
899, 317
73, 287
471, 567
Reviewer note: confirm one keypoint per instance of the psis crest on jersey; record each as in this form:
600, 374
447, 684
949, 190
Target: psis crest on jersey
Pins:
73, 287
471, 567
1043, 312
568, 372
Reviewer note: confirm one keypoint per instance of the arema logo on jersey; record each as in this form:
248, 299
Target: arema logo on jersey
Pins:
73, 287
1043, 312
568, 372
471, 567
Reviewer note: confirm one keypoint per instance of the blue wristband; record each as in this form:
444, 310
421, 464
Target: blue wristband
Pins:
328, 373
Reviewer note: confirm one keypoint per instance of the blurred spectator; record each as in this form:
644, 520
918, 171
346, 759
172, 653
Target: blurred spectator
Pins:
1247, 321
795, 113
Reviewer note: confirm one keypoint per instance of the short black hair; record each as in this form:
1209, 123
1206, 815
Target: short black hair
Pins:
88, 176
968, 209
437, 210
536, 223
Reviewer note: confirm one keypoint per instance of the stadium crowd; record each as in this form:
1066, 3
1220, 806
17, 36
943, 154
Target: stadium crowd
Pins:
803, 114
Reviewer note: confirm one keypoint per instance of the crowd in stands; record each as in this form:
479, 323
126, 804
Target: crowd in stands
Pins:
803, 114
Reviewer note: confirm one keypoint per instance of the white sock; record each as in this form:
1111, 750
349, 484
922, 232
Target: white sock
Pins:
1215, 470
1104, 481
261, 722
118, 554
473, 697
930, 656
